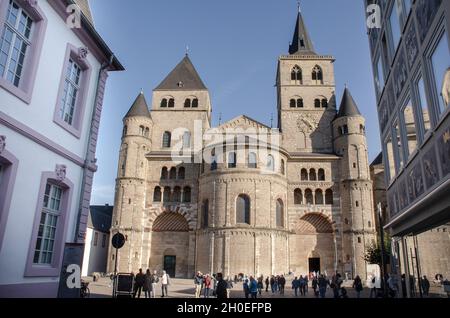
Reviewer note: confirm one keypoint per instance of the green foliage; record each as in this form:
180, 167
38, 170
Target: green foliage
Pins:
373, 254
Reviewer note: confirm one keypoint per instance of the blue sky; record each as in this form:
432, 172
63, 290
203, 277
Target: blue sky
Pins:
234, 45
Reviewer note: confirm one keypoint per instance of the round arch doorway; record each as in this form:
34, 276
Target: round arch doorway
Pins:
170, 244
312, 245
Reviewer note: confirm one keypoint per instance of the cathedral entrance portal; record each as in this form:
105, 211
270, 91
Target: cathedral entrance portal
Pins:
314, 265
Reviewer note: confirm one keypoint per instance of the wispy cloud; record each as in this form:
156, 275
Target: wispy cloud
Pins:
103, 194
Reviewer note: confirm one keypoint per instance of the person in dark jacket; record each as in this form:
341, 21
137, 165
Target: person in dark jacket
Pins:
139, 281
221, 290
358, 286
147, 284
425, 286
295, 286
272, 284
315, 284
282, 283
267, 284
323, 284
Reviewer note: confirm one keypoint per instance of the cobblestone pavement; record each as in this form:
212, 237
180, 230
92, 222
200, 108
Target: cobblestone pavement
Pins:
183, 288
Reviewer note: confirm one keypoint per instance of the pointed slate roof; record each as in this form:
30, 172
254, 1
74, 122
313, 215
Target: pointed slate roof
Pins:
183, 77
139, 107
301, 42
348, 106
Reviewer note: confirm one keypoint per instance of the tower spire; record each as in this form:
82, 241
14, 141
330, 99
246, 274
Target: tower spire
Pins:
301, 42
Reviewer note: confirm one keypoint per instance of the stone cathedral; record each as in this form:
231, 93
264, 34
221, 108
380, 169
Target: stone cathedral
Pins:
302, 205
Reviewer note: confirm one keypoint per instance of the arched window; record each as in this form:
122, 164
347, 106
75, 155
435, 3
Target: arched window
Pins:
176, 196
164, 103
304, 175
279, 213
345, 130
125, 130
362, 129
167, 139
298, 197
173, 173
181, 173
141, 130
243, 209
324, 103
321, 175
187, 139
157, 194
312, 175
329, 197
187, 195
164, 173
293, 103
317, 75
282, 167
187, 103
252, 164
167, 194
232, 160
296, 74
270, 163
213, 160
309, 198
147, 132
195, 103
300, 103
317, 103
205, 214
171, 103
319, 197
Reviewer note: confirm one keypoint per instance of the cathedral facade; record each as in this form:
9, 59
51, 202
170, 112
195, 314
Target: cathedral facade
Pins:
243, 197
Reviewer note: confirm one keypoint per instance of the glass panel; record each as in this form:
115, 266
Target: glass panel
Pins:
379, 76
410, 127
423, 105
395, 29
441, 69
390, 159
399, 149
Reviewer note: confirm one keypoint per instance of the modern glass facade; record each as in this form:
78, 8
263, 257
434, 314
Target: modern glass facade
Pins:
411, 66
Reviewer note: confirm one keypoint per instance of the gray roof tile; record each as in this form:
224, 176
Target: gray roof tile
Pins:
183, 77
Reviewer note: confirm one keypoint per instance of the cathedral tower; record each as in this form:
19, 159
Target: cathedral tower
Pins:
358, 223
306, 95
129, 205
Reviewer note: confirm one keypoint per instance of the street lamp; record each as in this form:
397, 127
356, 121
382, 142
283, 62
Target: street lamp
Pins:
383, 264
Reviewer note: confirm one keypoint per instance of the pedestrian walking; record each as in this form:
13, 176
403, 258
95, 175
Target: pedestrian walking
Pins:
282, 282
267, 284
198, 282
315, 284
221, 290
323, 284
373, 286
246, 288
207, 284
260, 284
147, 284
358, 286
154, 281
253, 286
295, 286
425, 286
165, 282
272, 284
138, 283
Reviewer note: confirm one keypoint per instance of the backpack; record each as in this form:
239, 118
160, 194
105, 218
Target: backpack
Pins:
373, 280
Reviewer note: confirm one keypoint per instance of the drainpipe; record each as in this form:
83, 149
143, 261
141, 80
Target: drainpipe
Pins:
83, 186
